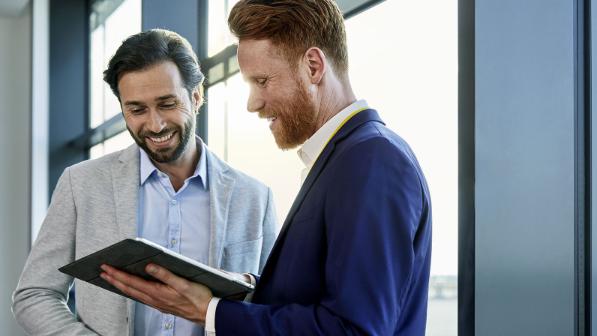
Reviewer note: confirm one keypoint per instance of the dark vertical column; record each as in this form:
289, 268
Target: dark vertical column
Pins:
583, 167
189, 19
69, 35
466, 168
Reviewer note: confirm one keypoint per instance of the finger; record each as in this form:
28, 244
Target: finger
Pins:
179, 284
159, 299
130, 280
128, 290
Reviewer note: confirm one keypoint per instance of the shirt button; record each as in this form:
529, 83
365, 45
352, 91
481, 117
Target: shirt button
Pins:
173, 202
172, 242
168, 326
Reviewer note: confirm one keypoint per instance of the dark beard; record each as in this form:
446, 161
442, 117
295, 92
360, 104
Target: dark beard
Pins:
166, 155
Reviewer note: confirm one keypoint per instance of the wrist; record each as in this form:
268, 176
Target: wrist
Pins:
201, 311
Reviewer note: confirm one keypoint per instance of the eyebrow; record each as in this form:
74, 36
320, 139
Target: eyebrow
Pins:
166, 97
257, 76
161, 98
132, 103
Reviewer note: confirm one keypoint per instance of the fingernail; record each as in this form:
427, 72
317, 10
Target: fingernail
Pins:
151, 269
104, 267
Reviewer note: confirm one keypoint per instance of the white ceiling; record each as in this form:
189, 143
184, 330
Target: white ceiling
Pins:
12, 7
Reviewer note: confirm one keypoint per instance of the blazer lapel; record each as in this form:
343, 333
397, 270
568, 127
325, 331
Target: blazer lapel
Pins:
220, 184
352, 124
298, 201
125, 177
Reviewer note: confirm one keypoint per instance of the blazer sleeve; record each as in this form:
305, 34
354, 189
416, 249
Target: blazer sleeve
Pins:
269, 230
372, 210
39, 301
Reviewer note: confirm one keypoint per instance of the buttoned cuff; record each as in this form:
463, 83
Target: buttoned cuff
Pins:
210, 317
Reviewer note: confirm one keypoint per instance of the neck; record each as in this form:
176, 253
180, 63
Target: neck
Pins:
335, 97
182, 168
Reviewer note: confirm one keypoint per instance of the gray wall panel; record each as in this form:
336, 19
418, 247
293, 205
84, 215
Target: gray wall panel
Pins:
15, 117
525, 108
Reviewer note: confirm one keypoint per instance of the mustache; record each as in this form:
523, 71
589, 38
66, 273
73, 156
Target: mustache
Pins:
263, 114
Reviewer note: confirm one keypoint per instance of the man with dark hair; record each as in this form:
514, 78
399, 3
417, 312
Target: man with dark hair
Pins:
168, 188
354, 253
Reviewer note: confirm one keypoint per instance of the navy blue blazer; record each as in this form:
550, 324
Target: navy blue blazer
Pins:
353, 255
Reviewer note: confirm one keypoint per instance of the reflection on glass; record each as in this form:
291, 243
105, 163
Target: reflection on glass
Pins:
408, 72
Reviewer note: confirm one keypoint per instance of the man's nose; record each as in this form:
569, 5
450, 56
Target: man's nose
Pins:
156, 123
255, 103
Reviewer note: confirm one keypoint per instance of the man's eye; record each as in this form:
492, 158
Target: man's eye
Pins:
137, 110
168, 106
261, 81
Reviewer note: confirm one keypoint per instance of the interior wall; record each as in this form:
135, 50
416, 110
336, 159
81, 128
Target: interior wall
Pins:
15, 93
525, 164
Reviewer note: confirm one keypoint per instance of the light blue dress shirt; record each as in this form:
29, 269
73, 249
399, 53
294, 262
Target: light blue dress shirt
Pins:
178, 221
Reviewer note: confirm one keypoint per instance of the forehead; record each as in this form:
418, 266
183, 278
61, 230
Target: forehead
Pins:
156, 80
260, 56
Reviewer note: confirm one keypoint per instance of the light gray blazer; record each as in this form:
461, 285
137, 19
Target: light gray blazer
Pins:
95, 205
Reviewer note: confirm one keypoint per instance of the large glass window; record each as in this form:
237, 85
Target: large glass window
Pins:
403, 61
246, 143
237, 136
111, 22
219, 36
408, 72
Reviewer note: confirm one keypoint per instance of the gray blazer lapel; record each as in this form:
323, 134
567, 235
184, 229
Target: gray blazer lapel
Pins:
220, 184
125, 177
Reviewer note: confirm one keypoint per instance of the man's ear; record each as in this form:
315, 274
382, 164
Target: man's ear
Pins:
317, 64
196, 100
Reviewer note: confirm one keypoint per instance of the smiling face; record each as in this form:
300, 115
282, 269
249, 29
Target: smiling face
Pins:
158, 110
277, 93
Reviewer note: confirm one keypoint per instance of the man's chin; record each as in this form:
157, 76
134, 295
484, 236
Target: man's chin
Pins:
285, 144
162, 155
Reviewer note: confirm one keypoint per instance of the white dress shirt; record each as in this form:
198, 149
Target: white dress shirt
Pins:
308, 153
311, 149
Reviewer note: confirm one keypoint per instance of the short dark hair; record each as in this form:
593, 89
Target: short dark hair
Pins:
295, 26
152, 47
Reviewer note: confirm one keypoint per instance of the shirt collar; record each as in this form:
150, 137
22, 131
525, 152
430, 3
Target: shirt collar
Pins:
147, 168
310, 150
